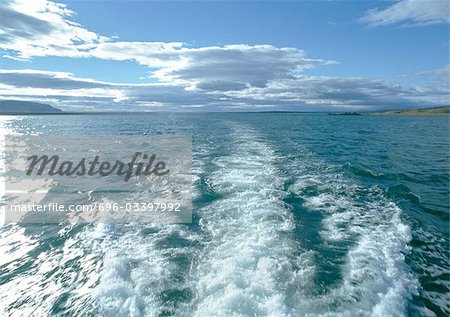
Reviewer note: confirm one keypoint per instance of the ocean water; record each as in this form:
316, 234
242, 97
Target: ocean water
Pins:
294, 215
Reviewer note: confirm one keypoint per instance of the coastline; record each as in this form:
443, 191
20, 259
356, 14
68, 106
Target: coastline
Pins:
420, 112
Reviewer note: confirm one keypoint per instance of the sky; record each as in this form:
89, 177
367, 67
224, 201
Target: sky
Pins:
225, 55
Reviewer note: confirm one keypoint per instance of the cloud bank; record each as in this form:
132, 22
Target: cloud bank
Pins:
212, 78
309, 93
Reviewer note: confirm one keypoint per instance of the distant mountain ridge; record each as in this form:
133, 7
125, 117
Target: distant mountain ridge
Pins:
23, 107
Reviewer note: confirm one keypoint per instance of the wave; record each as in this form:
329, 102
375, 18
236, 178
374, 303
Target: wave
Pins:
240, 257
144, 269
375, 280
251, 265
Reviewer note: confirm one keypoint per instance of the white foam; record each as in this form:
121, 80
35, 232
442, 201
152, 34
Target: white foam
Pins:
136, 270
251, 264
375, 278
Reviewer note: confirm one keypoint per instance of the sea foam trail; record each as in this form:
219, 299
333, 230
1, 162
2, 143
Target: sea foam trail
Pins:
143, 269
251, 265
375, 279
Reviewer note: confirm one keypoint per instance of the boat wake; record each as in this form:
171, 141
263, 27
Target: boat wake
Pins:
251, 264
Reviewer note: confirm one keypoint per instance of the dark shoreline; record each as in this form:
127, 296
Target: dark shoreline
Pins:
425, 111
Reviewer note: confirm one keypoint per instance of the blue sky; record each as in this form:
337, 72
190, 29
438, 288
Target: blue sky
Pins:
226, 56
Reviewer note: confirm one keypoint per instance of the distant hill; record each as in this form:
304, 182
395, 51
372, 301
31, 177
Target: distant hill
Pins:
423, 111
25, 107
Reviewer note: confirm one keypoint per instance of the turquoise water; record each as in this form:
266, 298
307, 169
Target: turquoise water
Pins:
294, 215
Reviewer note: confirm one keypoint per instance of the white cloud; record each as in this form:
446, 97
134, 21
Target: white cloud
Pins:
46, 79
69, 92
296, 93
441, 74
42, 28
151, 54
236, 66
213, 78
436, 82
410, 12
229, 64
324, 92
